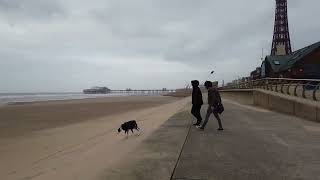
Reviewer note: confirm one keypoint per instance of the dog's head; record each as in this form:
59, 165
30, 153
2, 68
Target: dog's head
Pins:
119, 130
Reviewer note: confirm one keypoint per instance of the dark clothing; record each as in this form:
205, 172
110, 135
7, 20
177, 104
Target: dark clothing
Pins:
214, 97
210, 111
197, 96
195, 111
195, 83
196, 101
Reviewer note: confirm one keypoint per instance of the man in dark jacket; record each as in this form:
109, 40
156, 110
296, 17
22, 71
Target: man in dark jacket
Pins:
214, 99
196, 101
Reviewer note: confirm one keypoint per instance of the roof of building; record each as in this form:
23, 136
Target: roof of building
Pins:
285, 62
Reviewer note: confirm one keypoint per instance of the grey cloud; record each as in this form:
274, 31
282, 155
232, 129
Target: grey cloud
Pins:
78, 43
195, 32
19, 10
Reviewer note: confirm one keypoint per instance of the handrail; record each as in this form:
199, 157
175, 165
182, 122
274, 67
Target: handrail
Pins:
291, 79
304, 88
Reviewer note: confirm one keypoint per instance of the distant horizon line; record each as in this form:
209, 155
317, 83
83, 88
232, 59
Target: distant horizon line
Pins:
66, 92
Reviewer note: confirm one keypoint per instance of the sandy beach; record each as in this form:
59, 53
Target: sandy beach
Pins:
75, 139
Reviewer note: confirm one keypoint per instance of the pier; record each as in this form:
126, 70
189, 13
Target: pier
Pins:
143, 91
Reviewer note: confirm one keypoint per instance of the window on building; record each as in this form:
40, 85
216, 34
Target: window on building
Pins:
276, 62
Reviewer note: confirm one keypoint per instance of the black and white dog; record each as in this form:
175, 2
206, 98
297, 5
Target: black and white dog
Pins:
130, 125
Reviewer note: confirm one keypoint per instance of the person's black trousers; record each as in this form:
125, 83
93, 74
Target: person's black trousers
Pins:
195, 111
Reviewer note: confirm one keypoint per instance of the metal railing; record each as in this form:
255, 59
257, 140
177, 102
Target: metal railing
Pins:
304, 88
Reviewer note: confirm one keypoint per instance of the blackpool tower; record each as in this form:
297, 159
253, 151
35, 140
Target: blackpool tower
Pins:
281, 38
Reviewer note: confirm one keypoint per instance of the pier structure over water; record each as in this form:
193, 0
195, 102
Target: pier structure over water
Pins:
143, 91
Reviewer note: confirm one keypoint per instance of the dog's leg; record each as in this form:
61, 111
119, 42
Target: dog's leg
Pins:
138, 129
132, 131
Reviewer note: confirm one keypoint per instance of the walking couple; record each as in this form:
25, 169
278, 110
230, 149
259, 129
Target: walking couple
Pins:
214, 104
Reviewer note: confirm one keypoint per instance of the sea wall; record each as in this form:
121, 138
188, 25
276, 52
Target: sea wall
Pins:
297, 106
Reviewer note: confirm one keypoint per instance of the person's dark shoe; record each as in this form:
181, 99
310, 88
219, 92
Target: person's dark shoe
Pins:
200, 127
197, 123
220, 129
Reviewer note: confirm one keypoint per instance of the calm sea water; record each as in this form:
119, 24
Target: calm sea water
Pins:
10, 98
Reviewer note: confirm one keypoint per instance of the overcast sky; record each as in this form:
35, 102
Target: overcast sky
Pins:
68, 45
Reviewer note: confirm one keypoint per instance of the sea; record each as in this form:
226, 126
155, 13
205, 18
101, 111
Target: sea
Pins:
19, 98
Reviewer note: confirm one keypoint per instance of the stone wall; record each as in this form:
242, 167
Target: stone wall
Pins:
297, 106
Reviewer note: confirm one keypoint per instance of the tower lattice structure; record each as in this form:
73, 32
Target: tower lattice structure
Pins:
281, 38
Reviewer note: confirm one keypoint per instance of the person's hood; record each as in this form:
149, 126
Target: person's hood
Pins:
195, 83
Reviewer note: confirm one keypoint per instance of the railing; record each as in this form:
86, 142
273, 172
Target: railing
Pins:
305, 88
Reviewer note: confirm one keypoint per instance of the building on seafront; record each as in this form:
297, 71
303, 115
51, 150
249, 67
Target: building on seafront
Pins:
256, 74
301, 64
282, 62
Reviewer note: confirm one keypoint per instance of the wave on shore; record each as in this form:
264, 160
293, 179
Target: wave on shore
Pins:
22, 98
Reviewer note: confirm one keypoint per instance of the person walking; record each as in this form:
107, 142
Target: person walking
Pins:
197, 101
214, 101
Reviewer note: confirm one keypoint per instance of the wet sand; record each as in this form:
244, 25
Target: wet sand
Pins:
75, 139
24, 118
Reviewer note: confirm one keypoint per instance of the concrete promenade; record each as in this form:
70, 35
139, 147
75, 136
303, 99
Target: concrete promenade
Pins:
257, 144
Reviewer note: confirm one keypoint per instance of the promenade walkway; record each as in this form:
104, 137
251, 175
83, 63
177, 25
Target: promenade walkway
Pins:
257, 144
